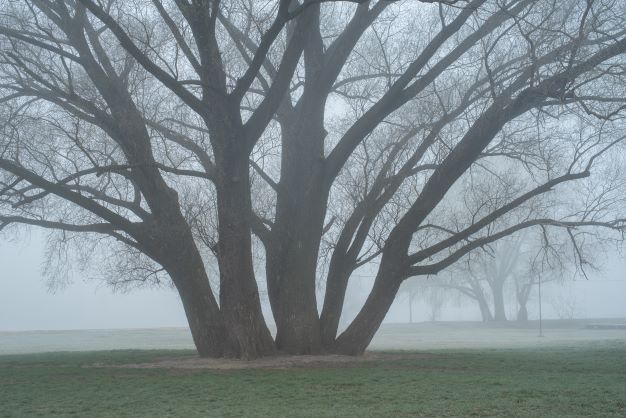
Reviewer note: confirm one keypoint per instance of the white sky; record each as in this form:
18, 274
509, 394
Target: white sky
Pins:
26, 304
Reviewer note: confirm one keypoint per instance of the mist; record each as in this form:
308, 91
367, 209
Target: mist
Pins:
27, 302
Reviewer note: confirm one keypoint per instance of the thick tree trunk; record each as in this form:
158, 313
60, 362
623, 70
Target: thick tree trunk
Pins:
297, 231
355, 339
291, 270
203, 315
293, 301
336, 286
247, 333
170, 243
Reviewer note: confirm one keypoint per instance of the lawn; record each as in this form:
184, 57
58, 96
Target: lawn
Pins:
586, 381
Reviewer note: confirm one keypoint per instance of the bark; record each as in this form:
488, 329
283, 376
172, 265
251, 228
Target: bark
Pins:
302, 198
291, 287
248, 335
336, 286
166, 235
344, 261
293, 253
203, 315
355, 339
169, 242
342, 264
291, 268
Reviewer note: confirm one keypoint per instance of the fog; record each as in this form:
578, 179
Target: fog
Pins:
26, 303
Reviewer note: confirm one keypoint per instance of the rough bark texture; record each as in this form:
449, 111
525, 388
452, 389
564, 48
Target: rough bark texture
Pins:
355, 339
203, 315
248, 335
174, 248
302, 198
292, 256
334, 298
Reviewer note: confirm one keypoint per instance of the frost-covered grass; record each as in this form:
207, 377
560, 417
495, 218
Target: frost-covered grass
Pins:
589, 380
418, 336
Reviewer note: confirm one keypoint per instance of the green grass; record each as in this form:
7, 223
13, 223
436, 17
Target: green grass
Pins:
586, 381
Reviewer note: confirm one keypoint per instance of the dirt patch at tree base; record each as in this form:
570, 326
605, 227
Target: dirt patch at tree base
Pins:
273, 362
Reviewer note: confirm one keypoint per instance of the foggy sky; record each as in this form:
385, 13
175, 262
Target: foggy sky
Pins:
26, 303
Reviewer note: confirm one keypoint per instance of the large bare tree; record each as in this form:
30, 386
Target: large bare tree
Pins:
334, 132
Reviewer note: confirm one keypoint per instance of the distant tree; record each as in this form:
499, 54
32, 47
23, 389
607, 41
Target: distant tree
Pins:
432, 295
483, 278
542, 261
435, 298
566, 305
159, 137
412, 290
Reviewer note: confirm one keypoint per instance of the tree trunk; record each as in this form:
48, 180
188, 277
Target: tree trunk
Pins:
293, 301
499, 313
297, 231
523, 293
247, 332
203, 315
170, 243
334, 299
342, 264
479, 296
485, 312
355, 339
292, 261
522, 313
291, 270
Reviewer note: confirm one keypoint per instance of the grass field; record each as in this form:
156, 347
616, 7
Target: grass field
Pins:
417, 336
588, 380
